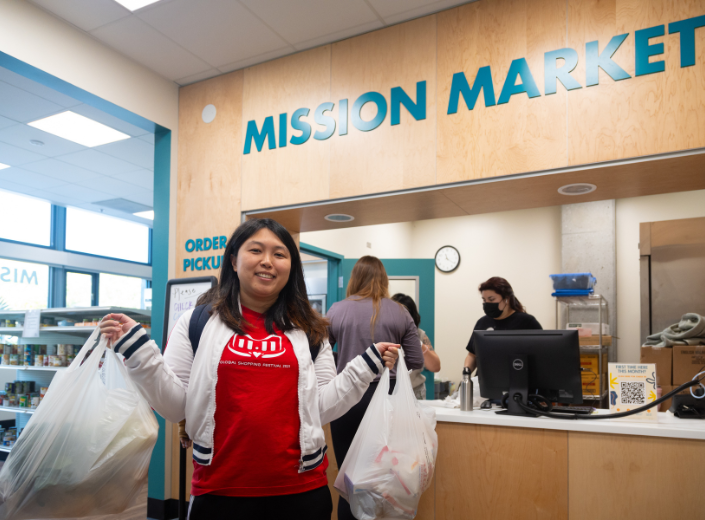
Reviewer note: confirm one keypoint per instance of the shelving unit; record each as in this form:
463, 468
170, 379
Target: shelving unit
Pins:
565, 305
54, 335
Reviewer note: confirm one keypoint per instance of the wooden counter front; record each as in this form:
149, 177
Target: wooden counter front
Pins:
582, 471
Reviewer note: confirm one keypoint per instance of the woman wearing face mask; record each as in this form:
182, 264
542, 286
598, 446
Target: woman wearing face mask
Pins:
503, 311
260, 386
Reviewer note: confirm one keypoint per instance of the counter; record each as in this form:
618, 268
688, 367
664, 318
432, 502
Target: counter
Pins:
500, 467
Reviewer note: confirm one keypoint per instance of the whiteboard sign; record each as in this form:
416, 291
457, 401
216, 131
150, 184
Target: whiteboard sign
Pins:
181, 297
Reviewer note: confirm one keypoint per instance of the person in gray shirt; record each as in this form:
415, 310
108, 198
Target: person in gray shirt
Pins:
366, 316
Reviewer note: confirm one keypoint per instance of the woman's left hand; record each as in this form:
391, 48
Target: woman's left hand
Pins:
390, 353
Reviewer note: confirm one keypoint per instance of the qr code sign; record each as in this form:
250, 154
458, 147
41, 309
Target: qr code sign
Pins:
632, 393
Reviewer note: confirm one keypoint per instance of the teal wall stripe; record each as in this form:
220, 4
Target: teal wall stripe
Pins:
160, 270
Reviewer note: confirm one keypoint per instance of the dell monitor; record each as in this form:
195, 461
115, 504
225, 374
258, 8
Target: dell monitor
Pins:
524, 362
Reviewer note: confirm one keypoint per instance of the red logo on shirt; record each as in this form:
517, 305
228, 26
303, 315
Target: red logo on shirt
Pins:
247, 346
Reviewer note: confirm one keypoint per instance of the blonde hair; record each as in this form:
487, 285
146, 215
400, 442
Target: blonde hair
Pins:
369, 280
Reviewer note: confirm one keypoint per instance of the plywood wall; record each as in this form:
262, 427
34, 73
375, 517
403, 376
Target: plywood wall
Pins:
645, 115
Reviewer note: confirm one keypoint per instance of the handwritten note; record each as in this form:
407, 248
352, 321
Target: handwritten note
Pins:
31, 323
183, 298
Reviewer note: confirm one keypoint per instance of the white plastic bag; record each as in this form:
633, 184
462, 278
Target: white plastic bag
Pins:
393, 455
86, 449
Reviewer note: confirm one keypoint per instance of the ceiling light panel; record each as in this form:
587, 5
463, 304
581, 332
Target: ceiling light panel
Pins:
145, 214
79, 129
3, 166
133, 5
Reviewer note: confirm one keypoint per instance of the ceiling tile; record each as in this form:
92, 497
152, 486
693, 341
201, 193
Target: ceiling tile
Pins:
141, 178
137, 40
14, 156
37, 89
17, 188
98, 162
257, 59
21, 135
27, 178
145, 197
306, 20
24, 107
5, 122
210, 73
85, 14
109, 120
148, 138
62, 171
79, 192
395, 11
135, 151
341, 35
114, 188
217, 31
114, 213
60, 200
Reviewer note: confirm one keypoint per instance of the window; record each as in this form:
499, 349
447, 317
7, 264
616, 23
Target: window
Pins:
23, 285
79, 289
123, 291
96, 234
25, 219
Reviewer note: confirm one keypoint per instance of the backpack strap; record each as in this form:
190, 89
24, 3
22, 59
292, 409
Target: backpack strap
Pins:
198, 321
199, 318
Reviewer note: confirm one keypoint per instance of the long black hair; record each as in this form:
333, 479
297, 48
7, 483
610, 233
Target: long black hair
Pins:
410, 305
502, 287
292, 308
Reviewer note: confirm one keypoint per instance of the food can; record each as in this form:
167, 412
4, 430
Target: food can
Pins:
12, 400
6, 359
28, 360
14, 359
19, 387
39, 360
9, 388
23, 401
51, 350
6, 400
35, 401
63, 359
70, 350
54, 361
61, 350
42, 391
69, 360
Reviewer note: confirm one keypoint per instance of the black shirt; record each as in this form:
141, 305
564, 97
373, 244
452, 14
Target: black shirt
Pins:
516, 321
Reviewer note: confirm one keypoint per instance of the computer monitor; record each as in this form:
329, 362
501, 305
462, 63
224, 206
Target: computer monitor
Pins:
545, 362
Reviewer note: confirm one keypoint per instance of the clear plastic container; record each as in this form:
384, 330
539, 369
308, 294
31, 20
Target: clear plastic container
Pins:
573, 281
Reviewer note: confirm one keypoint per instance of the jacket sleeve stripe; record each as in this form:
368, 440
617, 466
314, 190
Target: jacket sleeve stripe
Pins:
202, 462
370, 363
137, 344
125, 339
374, 350
202, 449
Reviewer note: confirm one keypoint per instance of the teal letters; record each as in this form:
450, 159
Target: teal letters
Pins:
369, 97
521, 69
303, 126
282, 130
644, 51
687, 30
593, 60
459, 85
254, 133
417, 110
324, 120
552, 72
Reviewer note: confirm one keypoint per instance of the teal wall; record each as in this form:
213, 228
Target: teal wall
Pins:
425, 269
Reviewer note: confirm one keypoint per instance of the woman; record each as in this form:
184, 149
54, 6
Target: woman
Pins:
365, 316
253, 399
503, 311
431, 361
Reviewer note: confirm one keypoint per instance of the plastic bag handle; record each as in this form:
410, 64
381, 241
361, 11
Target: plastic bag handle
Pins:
96, 345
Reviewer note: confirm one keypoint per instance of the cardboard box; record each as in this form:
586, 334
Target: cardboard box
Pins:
687, 361
663, 407
594, 328
594, 341
662, 357
591, 363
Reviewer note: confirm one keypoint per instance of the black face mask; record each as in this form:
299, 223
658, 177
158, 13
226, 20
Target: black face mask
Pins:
491, 309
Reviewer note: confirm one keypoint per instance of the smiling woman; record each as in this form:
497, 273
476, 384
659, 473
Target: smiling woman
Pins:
263, 373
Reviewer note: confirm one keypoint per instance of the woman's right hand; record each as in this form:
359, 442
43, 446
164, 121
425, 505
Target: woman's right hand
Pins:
114, 326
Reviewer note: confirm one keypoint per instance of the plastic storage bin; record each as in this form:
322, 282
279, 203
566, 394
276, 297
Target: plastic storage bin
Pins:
573, 281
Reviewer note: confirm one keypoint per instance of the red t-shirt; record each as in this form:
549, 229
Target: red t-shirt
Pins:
257, 448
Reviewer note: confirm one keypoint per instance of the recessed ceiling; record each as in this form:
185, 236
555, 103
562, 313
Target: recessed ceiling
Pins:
66, 173
192, 40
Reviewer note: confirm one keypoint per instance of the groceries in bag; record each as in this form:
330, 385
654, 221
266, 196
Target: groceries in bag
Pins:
393, 455
86, 450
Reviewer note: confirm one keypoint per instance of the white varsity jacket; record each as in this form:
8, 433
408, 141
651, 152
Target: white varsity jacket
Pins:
178, 386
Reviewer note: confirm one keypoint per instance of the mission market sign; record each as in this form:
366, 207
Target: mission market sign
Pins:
519, 80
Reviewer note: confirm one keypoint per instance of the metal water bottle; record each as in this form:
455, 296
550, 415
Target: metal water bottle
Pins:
466, 391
